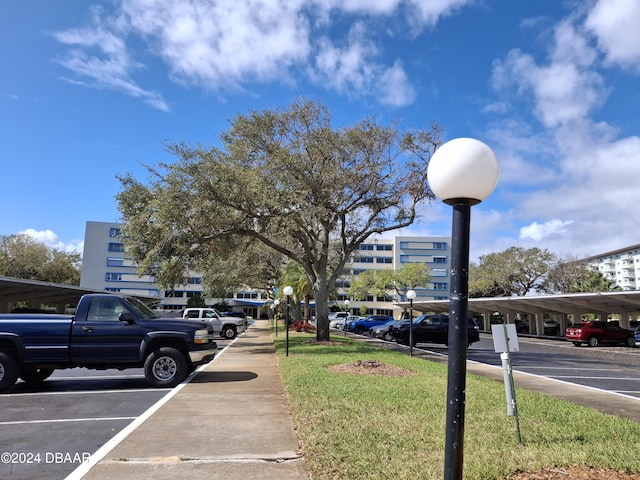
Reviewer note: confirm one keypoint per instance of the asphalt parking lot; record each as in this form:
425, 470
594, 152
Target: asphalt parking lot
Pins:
48, 430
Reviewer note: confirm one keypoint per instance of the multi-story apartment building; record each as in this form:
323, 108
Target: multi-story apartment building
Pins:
392, 254
105, 267
621, 266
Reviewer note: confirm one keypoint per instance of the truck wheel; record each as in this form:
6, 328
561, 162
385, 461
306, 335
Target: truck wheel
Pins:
8, 371
35, 375
165, 367
228, 332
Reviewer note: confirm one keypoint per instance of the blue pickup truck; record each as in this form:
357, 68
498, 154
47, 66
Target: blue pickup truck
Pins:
107, 331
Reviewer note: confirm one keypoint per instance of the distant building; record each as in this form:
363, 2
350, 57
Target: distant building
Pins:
621, 266
105, 267
392, 254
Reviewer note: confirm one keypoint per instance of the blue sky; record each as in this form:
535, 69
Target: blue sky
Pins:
93, 89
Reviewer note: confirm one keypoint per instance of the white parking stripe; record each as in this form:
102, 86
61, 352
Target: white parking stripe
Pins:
80, 472
88, 392
63, 420
592, 377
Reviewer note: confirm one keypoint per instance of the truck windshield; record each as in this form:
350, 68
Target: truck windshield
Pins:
141, 309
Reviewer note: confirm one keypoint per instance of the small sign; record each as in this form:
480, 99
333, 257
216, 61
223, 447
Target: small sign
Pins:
505, 338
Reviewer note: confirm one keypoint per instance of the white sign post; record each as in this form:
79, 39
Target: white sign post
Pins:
505, 341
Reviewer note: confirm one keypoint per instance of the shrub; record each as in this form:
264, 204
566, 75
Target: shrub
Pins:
302, 326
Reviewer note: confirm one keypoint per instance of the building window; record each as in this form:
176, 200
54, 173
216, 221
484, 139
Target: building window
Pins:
194, 280
384, 260
115, 262
440, 286
116, 247
363, 260
439, 272
384, 248
247, 295
439, 245
366, 246
439, 259
114, 232
113, 277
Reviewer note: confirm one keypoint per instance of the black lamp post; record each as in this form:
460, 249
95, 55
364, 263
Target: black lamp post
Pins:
461, 173
346, 305
276, 302
411, 295
287, 291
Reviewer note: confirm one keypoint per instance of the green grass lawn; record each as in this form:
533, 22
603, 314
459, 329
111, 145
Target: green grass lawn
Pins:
355, 426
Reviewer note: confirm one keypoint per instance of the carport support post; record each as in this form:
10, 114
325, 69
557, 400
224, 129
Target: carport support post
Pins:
458, 339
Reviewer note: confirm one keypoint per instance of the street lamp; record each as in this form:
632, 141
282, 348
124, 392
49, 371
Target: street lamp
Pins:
411, 295
461, 173
276, 302
288, 291
346, 305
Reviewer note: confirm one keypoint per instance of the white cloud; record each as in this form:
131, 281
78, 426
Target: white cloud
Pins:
395, 88
538, 231
51, 240
615, 24
111, 69
572, 183
224, 46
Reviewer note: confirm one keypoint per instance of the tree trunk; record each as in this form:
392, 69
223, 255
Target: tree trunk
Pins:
322, 312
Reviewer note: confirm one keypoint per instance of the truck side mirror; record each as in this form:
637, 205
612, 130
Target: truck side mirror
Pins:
126, 317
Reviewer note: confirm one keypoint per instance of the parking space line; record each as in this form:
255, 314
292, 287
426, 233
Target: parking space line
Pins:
87, 392
591, 377
67, 420
80, 472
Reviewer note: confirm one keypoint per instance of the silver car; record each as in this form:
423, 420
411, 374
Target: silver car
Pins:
382, 331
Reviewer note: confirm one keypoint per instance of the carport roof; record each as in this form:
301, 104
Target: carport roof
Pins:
34, 292
604, 302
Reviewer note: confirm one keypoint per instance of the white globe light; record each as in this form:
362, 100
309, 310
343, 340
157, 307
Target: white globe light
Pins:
288, 290
463, 170
411, 294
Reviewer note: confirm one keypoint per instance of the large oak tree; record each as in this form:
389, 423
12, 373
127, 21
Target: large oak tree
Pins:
288, 179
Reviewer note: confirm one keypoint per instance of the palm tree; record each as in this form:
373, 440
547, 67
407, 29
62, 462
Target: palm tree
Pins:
296, 276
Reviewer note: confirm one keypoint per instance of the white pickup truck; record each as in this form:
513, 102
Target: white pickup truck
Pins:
226, 326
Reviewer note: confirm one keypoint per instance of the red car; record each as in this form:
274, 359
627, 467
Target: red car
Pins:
595, 333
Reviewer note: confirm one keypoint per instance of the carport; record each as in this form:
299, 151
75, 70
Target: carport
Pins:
625, 306
35, 293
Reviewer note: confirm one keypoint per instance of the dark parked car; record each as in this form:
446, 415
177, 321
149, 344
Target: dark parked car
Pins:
432, 328
361, 326
595, 333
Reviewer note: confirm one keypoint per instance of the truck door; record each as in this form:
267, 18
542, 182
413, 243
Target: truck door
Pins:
103, 337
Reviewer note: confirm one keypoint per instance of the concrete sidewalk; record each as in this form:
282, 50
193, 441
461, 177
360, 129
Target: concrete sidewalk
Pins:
232, 421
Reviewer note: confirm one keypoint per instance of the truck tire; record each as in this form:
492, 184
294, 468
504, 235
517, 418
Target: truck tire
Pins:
35, 375
8, 371
165, 367
228, 332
